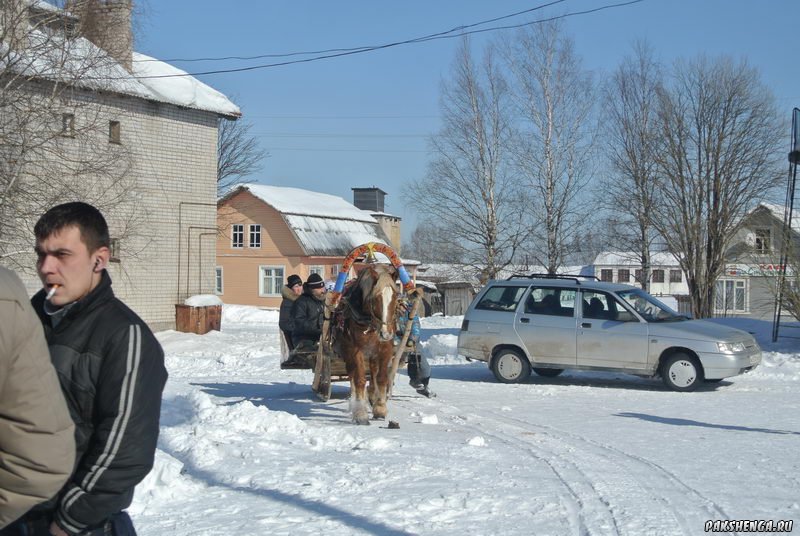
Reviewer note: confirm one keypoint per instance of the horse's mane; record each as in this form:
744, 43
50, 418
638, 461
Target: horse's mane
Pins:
363, 288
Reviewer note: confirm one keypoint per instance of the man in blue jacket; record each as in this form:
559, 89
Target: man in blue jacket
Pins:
111, 370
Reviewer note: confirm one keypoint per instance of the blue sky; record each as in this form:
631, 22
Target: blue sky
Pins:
364, 120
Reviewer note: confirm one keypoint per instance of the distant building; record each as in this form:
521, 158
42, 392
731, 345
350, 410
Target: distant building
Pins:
268, 233
747, 286
666, 276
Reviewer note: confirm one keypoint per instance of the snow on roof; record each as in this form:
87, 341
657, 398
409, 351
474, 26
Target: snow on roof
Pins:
324, 225
77, 61
304, 202
778, 212
630, 258
185, 91
331, 237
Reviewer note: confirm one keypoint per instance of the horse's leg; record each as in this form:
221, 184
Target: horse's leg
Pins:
372, 389
382, 363
358, 382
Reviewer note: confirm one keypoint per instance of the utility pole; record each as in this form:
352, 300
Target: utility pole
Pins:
788, 212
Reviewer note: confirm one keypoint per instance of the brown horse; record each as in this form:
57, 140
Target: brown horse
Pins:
363, 334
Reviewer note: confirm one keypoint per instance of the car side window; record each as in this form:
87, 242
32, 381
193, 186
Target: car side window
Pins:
550, 301
601, 306
501, 298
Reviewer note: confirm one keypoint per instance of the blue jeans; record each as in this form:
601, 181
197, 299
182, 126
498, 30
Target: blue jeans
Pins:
119, 524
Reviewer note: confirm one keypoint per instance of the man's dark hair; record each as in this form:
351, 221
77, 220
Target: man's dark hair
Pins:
89, 220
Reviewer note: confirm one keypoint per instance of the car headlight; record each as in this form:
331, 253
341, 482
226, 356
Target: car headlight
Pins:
731, 347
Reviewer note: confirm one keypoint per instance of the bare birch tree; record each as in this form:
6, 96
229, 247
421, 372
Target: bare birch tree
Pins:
238, 153
554, 137
719, 141
630, 104
468, 188
56, 141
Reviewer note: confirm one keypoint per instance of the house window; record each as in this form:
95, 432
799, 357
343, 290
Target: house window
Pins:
637, 275
623, 275
270, 279
730, 296
658, 276
675, 276
606, 275
114, 135
237, 236
335, 269
114, 247
255, 235
68, 125
218, 280
320, 270
762, 244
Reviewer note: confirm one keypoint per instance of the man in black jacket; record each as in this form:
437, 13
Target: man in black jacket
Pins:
111, 370
290, 293
308, 311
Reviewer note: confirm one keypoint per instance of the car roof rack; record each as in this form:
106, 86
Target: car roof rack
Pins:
569, 277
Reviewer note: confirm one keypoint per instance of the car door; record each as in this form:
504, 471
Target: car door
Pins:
546, 325
609, 335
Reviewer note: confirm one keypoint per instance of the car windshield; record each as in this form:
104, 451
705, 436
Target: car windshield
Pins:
648, 307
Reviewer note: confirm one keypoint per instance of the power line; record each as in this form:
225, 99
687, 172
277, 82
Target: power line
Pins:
388, 45
366, 47
268, 148
345, 116
334, 135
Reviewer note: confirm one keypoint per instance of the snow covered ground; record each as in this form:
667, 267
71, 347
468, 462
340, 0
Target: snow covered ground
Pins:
246, 449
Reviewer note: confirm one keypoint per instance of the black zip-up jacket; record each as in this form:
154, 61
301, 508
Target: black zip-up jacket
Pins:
111, 370
285, 320
307, 316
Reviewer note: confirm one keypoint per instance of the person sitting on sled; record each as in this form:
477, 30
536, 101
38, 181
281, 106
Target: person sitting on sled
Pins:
419, 370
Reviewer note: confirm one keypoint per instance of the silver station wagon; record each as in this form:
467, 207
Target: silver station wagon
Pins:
552, 323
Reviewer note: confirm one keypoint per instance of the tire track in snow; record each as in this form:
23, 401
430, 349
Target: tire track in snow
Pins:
583, 498
689, 498
638, 494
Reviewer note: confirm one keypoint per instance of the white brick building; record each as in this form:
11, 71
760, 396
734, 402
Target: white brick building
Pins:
167, 123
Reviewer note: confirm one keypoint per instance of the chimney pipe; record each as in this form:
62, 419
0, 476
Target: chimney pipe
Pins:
107, 24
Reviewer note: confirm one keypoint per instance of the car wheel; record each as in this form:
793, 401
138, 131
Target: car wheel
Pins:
548, 372
510, 366
681, 372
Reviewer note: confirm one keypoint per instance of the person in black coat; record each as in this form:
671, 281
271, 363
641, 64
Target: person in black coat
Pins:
308, 312
111, 369
290, 293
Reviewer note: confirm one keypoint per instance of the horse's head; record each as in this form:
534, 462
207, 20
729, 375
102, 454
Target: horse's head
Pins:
380, 299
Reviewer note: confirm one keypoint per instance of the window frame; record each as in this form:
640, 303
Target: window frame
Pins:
115, 132
219, 280
607, 274
235, 233
739, 284
762, 244
251, 229
278, 280
114, 247
68, 125
658, 275
558, 310
673, 278
501, 291
626, 272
